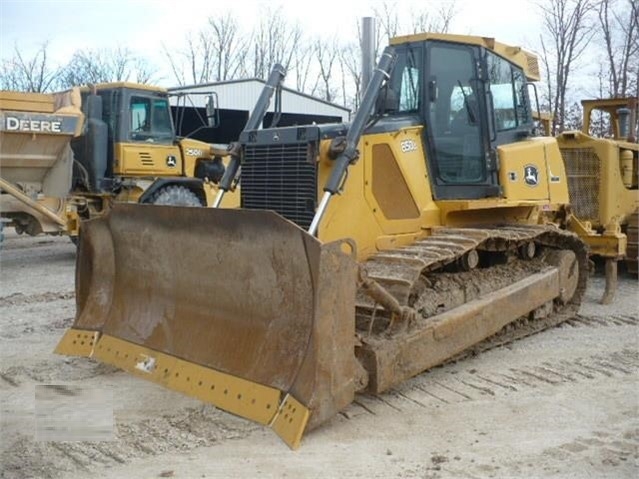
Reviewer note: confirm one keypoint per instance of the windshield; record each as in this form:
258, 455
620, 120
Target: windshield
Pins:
150, 119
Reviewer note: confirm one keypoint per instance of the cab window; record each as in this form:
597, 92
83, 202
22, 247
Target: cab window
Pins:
507, 88
150, 119
405, 81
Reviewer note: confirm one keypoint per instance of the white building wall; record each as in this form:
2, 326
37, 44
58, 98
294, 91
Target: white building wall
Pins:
242, 95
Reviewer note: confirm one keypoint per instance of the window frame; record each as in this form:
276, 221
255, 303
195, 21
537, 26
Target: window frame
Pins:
153, 134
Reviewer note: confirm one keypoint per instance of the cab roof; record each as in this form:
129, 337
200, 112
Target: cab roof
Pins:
130, 85
526, 60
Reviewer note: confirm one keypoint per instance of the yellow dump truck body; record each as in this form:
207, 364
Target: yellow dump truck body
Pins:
36, 162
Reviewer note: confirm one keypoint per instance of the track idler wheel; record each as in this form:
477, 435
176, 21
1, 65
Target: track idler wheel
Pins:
566, 262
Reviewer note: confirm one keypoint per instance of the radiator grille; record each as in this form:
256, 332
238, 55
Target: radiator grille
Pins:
282, 178
583, 171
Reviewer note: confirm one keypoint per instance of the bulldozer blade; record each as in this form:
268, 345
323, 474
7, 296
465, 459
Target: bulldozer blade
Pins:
240, 308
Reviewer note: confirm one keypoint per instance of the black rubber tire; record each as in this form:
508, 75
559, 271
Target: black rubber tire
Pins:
175, 195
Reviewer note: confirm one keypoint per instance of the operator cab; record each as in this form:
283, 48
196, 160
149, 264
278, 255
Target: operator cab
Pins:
470, 99
136, 113
129, 131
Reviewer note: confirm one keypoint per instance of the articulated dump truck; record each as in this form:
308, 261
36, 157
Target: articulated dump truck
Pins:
36, 160
362, 254
66, 157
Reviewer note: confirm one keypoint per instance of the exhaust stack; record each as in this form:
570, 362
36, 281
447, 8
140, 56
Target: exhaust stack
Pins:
368, 53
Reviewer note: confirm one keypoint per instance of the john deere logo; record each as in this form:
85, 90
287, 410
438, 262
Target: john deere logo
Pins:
171, 161
531, 175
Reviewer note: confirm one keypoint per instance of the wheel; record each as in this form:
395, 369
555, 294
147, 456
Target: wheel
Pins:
175, 195
566, 262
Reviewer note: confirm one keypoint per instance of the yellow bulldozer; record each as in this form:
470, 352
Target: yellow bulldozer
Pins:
362, 254
603, 177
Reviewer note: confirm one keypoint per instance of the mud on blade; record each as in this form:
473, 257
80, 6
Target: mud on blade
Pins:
240, 308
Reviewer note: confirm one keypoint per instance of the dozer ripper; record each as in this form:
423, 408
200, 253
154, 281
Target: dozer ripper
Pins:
362, 254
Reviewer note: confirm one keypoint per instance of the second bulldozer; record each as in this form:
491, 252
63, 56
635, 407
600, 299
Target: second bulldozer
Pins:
603, 182
363, 254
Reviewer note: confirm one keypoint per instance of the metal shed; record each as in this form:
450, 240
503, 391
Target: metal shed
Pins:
236, 99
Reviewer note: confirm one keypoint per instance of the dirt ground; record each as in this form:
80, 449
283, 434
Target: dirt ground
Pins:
563, 403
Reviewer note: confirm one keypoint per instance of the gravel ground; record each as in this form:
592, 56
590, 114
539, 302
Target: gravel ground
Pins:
563, 403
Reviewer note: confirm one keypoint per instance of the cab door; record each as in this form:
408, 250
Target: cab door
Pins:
147, 147
457, 128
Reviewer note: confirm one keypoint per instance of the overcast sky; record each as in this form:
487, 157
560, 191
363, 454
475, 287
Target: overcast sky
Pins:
143, 25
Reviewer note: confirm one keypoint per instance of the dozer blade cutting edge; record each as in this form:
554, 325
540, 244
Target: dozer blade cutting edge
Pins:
239, 308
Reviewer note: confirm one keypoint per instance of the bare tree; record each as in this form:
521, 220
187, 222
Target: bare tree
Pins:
106, 65
349, 59
275, 41
439, 22
620, 31
326, 53
435, 16
324, 68
35, 74
351, 73
216, 53
573, 117
228, 45
388, 20
569, 32
304, 61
